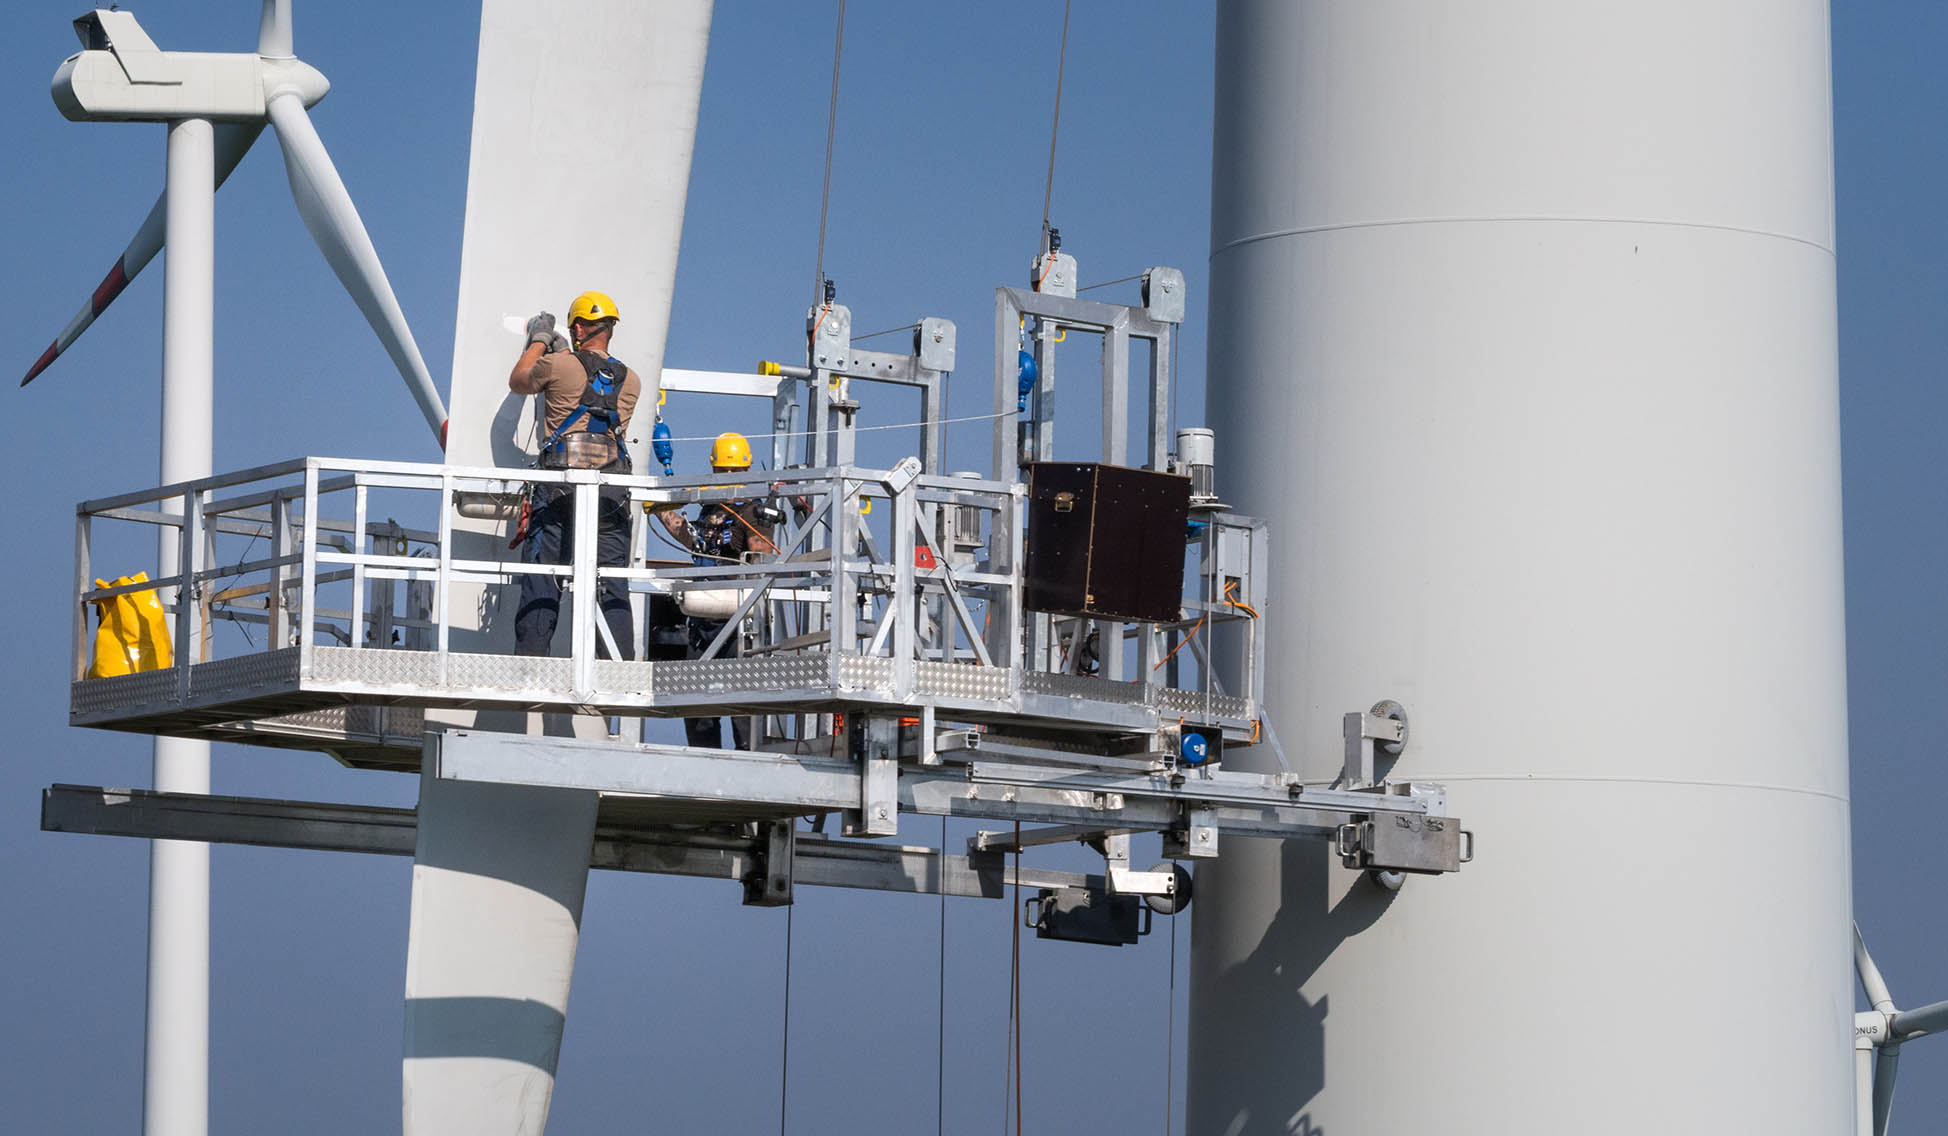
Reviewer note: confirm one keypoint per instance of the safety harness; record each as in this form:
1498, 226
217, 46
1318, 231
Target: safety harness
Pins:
598, 404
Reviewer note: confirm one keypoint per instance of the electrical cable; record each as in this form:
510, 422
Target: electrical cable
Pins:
664, 534
1181, 642
831, 129
1230, 597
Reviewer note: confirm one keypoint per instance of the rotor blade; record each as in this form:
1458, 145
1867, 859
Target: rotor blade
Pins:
233, 141
274, 30
334, 223
1870, 979
1932, 1018
1886, 1063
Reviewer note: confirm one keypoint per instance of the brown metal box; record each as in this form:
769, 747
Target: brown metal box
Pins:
1105, 541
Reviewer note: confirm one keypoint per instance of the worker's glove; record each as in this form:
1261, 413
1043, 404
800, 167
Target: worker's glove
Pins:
541, 329
559, 342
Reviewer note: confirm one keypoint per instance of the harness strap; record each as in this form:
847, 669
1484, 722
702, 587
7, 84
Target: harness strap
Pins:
606, 375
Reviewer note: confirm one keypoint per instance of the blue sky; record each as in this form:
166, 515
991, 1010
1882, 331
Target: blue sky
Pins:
936, 198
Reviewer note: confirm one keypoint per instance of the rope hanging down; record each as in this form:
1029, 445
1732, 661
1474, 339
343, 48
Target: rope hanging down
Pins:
831, 129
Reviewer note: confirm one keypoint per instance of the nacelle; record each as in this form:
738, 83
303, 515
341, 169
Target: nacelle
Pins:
122, 76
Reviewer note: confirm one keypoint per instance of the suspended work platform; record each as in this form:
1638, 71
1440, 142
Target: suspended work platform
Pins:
1070, 646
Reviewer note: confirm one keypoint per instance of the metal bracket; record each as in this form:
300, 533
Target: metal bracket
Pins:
769, 882
901, 475
1404, 842
1197, 839
1115, 848
876, 746
1385, 726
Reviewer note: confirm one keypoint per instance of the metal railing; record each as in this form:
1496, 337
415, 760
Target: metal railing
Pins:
891, 566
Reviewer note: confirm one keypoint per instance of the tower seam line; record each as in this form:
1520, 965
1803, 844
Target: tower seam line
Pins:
1307, 230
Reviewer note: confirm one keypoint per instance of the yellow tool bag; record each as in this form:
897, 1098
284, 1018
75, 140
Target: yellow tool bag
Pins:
133, 634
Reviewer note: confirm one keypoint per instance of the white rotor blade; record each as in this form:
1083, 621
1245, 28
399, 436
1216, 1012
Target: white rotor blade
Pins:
1920, 1021
274, 30
1870, 979
334, 223
233, 141
1886, 1062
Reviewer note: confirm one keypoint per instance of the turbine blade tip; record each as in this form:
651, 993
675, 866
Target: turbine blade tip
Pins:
48, 356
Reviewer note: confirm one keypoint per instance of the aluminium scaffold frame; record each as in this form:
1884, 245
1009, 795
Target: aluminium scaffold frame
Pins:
882, 650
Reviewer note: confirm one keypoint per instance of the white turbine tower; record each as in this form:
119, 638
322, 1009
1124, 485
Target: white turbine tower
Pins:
1523, 341
215, 105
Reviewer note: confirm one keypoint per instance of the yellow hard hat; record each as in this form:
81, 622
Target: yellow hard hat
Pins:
592, 306
731, 450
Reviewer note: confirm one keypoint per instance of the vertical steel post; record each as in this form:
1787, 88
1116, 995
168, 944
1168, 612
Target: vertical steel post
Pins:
359, 553
1007, 412
1161, 379
903, 606
277, 610
588, 604
84, 524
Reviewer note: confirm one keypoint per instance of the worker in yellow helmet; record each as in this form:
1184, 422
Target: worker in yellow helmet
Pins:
727, 532
587, 397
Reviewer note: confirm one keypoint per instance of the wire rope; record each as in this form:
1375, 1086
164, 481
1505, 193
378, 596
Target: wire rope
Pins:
858, 429
831, 130
940, 1044
784, 1063
888, 331
1118, 280
1170, 1036
1055, 126
1014, 1013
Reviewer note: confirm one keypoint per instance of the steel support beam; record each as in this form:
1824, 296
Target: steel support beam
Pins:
325, 827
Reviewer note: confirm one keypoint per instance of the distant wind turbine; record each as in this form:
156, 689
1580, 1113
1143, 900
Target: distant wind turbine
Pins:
122, 76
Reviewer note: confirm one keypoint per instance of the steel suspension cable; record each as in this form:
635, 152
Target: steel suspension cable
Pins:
1011, 1083
940, 1043
1061, 64
784, 1063
831, 129
1015, 1014
1170, 1036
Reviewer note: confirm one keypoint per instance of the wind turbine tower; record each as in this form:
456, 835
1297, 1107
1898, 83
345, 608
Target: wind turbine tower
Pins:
215, 106
1523, 339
